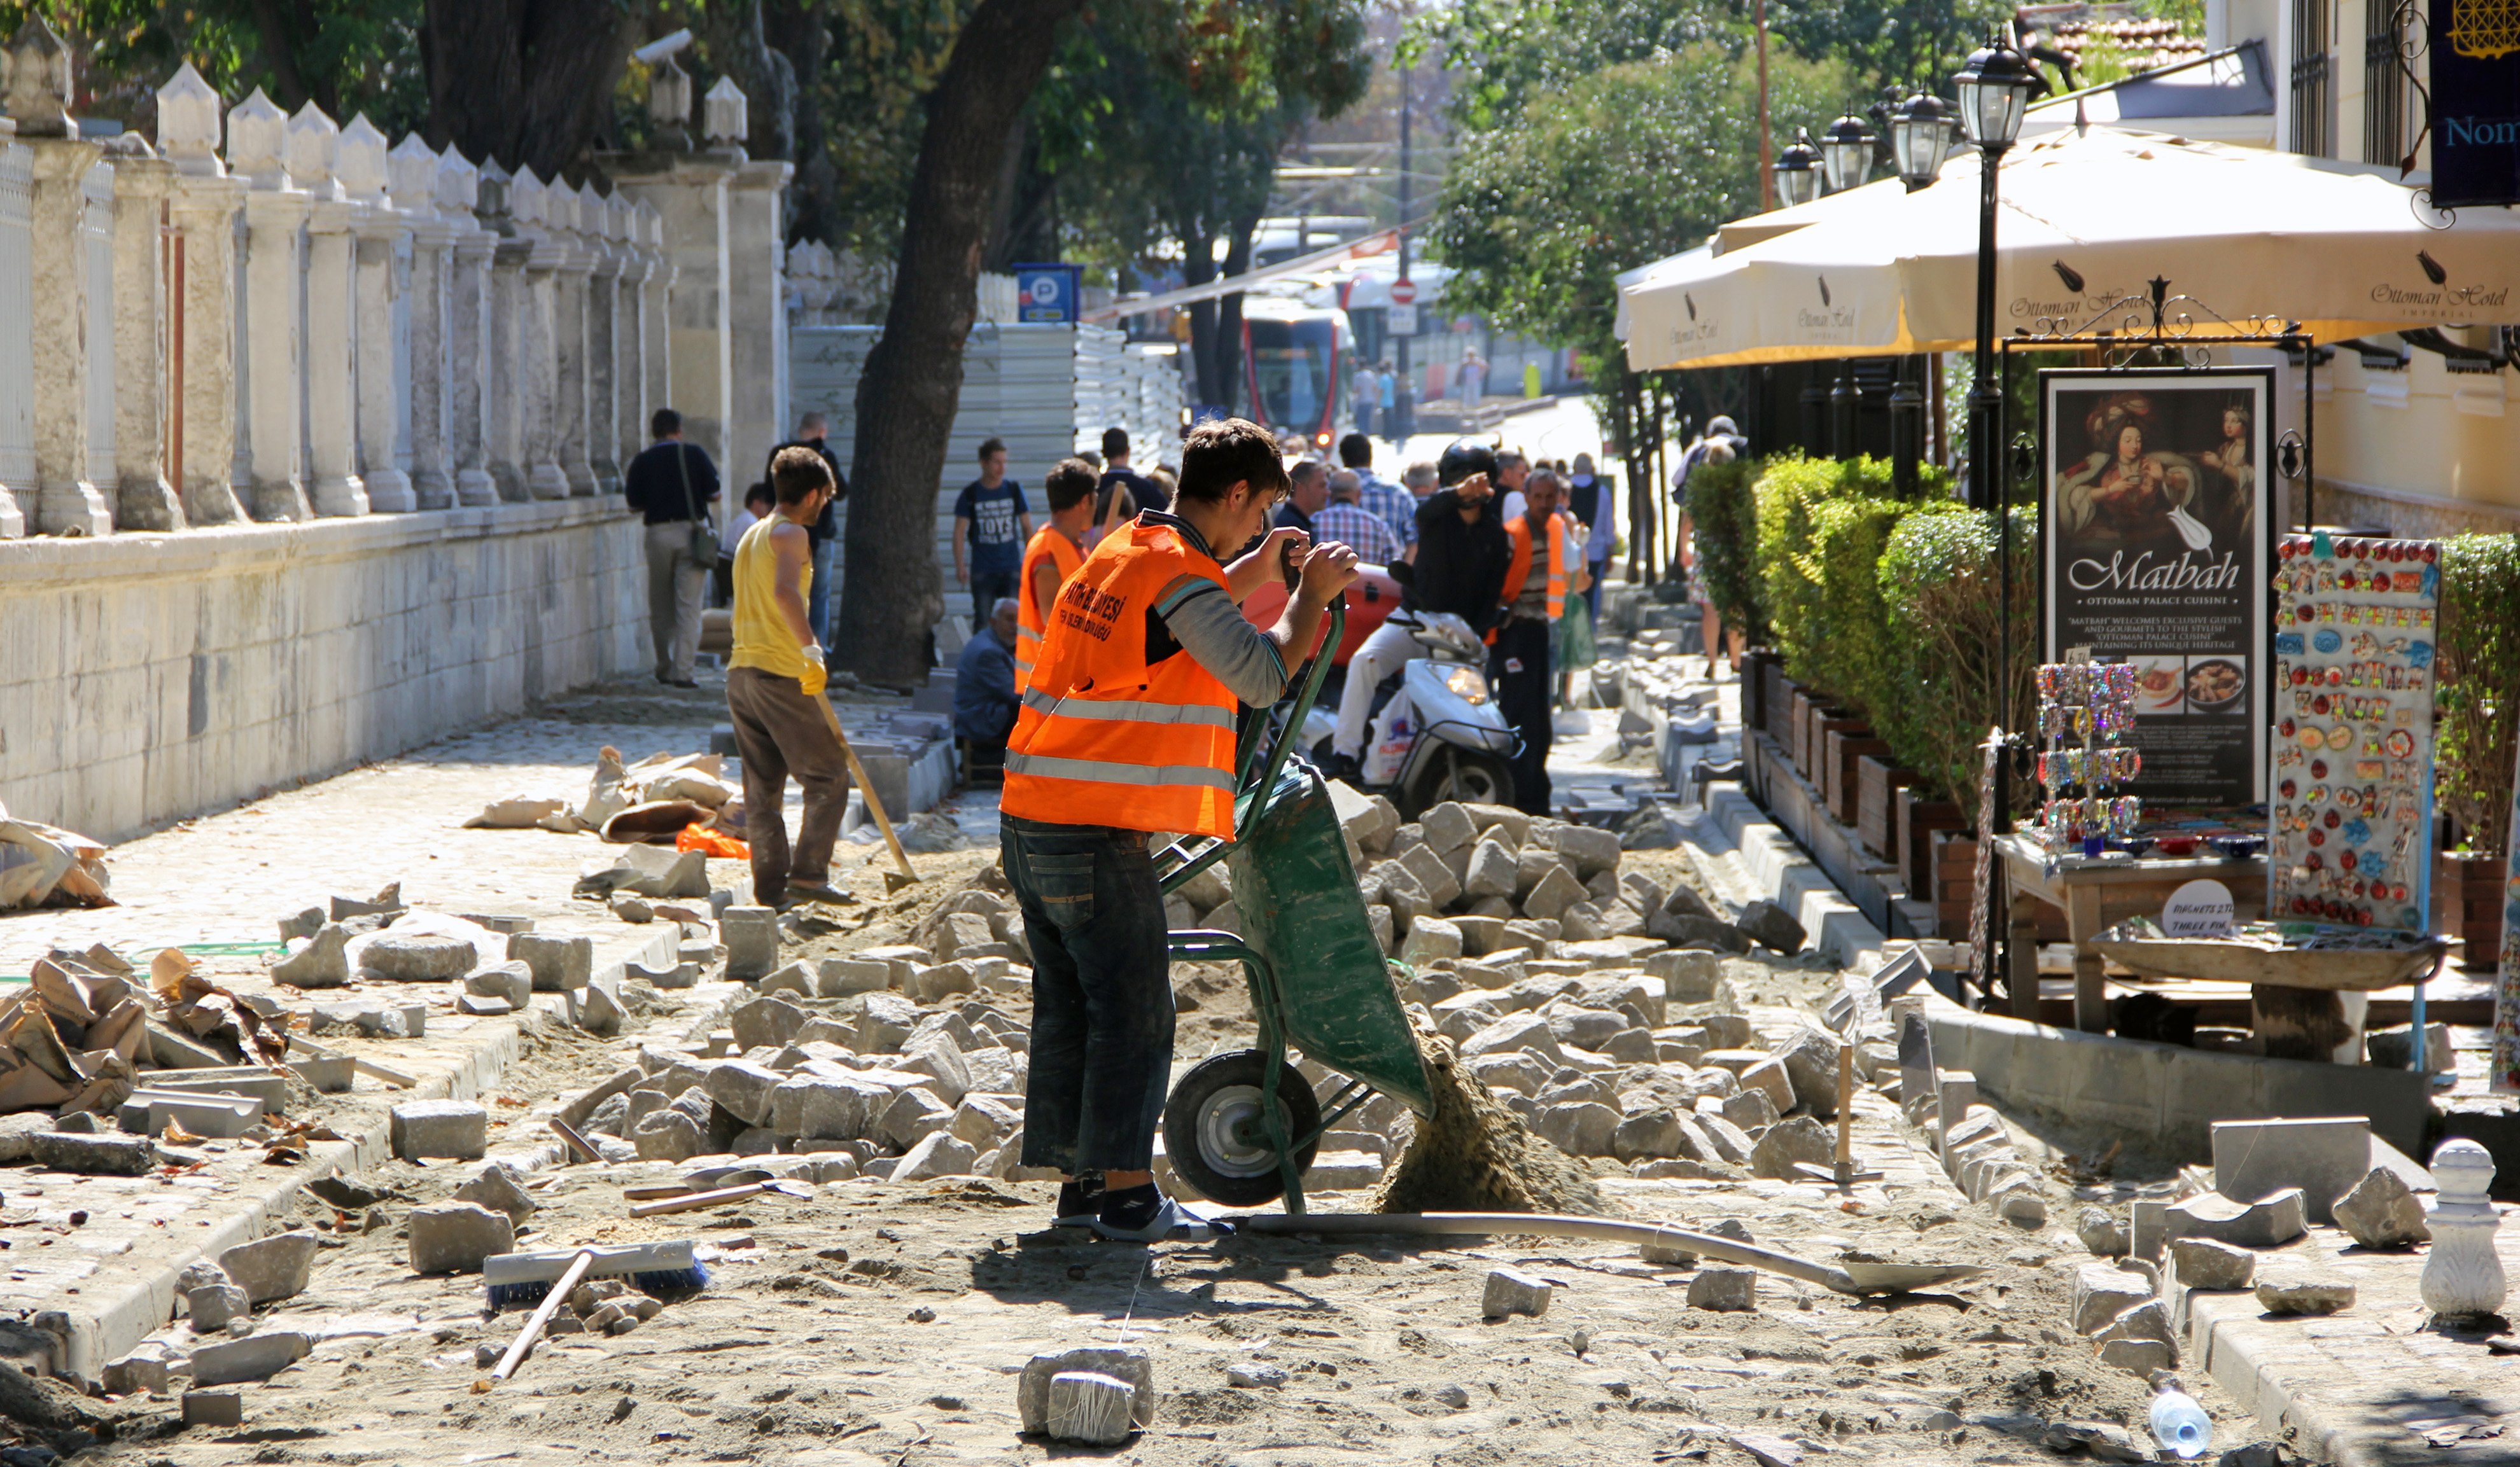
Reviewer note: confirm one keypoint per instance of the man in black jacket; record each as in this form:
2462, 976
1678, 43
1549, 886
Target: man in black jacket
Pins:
673, 484
1463, 556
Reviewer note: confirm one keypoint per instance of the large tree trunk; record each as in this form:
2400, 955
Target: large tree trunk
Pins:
913, 381
524, 82
800, 31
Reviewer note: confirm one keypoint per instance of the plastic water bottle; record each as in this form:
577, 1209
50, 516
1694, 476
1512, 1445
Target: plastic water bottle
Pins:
2180, 1424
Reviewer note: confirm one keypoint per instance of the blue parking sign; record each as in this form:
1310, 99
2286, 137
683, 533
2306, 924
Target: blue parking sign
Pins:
1047, 295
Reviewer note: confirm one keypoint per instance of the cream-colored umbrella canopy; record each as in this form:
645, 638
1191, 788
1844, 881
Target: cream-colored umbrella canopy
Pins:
2249, 239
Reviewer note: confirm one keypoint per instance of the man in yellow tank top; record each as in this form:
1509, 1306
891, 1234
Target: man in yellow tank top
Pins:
773, 678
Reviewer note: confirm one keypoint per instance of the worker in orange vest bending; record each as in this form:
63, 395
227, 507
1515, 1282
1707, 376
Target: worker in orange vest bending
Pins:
1544, 569
1128, 727
1056, 551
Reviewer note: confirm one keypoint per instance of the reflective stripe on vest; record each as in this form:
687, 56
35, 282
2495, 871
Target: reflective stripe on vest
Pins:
1052, 544
1105, 737
1518, 530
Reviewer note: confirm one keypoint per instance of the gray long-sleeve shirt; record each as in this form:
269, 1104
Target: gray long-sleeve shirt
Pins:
1199, 617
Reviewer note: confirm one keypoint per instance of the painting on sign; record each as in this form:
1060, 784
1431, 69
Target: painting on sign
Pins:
2157, 520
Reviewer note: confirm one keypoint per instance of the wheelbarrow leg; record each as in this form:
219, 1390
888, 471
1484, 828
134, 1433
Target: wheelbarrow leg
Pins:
1273, 1045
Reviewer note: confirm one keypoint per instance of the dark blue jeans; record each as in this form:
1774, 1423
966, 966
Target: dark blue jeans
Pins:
988, 588
1101, 994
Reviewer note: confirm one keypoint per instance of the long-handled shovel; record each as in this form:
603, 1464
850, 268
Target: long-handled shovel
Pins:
874, 806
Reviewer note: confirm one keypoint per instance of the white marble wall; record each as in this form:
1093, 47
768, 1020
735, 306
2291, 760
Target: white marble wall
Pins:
340, 326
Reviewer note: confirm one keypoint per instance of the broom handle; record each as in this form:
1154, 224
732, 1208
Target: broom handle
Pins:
1845, 1105
691, 1200
533, 1331
857, 771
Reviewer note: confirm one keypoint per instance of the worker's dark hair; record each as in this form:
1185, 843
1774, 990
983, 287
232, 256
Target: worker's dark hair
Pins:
664, 423
759, 494
1217, 456
1115, 441
797, 473
1356, 451
1463, 458
1072, 480
990, 446
1306, 471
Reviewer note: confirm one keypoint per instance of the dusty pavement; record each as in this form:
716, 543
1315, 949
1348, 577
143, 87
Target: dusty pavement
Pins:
879, 1322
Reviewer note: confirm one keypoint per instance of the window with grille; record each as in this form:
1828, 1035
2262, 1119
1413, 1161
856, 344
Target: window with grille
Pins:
2310, 77
2384, 82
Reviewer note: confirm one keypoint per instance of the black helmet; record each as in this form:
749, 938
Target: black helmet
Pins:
1463, 458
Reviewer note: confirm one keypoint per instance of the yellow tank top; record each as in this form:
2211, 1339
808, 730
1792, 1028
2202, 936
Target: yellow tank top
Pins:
762, 637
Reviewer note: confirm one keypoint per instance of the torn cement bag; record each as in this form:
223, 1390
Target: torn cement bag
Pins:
42, 866
605, 797
519, 812
692, 785
659, 820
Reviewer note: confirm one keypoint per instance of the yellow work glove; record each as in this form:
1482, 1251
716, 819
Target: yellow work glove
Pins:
815, 678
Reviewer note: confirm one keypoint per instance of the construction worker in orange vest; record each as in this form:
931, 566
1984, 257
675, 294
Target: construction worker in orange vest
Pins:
1056, 550
1548, 562
1128, 727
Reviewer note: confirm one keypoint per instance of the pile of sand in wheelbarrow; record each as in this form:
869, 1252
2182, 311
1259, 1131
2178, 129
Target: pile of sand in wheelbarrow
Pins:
1474, 1155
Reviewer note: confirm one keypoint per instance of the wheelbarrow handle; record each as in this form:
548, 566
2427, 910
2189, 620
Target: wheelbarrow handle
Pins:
1309, 679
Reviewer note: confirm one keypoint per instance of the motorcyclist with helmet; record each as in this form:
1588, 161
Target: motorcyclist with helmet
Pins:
1463, 556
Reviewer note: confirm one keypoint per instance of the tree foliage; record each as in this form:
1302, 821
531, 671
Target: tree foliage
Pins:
1163, 121
1619, 168
346, 55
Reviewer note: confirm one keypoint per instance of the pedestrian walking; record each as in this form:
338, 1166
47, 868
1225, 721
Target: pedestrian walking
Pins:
1593, 501
1128, 727
1143, 491
1546, 562
811, 430
991, 524
1366, 387
672, 484
1388, 390
1381, 497
759, 504
1346, 520
773, 678
1710, 621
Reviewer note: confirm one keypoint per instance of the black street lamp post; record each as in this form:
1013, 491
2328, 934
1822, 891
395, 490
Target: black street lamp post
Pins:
1994, 92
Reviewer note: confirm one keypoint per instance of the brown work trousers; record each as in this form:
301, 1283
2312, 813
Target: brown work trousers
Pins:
779, 733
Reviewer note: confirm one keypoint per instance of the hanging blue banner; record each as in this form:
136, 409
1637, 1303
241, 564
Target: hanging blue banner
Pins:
2475, 57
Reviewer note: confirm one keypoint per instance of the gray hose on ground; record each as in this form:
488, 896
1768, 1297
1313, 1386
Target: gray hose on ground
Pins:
1879, 1280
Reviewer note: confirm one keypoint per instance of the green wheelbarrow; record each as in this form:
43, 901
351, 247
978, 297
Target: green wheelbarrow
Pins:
1241, 1128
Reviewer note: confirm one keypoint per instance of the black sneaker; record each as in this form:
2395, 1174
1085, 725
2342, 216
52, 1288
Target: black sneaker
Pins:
1080, 1202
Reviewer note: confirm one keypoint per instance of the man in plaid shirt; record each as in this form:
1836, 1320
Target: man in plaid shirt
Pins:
1380, 498
1346, 522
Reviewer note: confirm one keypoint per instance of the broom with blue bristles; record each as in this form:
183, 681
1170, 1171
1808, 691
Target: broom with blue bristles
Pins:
516, 1278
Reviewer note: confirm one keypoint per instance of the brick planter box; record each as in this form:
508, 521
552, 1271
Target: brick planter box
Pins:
1845, 750
1877, 785
2468, 891
1827, 721
1915, 822
1755, 664
1798, 707
1776, 701
1954, 864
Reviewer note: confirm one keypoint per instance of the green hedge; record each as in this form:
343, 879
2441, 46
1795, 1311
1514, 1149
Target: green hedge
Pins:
1724, 521
2477, 682
1822, 527
1941, 601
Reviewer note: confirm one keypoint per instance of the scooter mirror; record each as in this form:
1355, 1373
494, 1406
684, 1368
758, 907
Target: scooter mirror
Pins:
1402, 572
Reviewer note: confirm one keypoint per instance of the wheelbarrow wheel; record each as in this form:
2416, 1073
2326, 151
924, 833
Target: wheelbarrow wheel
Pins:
1216, 1138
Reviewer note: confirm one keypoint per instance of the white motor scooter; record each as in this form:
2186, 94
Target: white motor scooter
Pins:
1439, 736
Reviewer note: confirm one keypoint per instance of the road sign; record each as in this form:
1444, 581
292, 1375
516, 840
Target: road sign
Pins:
1403, 293
1047, 295
1400, 320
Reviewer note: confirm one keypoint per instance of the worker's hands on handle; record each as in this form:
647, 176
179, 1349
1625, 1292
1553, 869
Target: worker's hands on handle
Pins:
1282, 553
1328, 568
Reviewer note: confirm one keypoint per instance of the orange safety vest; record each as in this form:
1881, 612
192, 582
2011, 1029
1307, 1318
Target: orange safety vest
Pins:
1048, 542
1106, 739
1518, 530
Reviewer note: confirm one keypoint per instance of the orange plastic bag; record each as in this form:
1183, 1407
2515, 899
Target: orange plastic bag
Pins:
713, 842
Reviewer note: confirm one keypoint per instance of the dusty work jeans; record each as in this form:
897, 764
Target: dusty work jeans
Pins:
777, 733
1519, 666
1101, 994
676, 584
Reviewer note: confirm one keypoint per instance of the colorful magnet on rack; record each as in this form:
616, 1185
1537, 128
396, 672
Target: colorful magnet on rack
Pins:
2419, 654
2321, 547
2313, 737
2401, 744
2288, 643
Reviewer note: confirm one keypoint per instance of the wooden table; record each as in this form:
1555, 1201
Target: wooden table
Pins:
2094, 896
